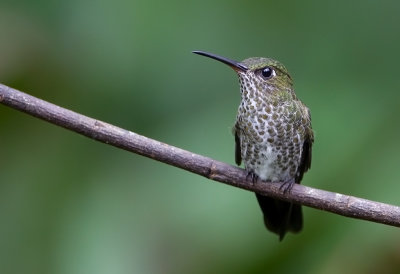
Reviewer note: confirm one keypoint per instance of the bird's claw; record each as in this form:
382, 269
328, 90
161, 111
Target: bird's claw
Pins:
286, 187
253, 177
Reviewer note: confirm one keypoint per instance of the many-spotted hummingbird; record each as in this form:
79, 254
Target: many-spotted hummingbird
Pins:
273, 135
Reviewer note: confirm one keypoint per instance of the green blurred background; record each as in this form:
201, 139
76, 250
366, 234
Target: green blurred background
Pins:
72, 205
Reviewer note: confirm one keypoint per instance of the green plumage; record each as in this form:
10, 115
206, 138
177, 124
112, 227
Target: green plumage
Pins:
273, 135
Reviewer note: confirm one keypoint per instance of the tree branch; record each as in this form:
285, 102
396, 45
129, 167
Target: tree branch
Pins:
329, 201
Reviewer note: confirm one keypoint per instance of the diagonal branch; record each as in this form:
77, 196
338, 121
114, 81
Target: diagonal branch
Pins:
329, 201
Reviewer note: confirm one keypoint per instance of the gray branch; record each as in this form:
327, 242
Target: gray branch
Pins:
329, 201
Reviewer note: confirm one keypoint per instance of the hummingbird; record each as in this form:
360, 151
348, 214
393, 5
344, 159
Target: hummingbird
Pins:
273, 135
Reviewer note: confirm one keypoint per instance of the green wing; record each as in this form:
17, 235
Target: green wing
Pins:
238, 155
305, 162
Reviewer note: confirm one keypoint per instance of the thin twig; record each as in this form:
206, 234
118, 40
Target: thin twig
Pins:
329, 201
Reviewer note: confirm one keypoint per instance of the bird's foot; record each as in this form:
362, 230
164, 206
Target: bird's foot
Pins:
286, 187
253, 177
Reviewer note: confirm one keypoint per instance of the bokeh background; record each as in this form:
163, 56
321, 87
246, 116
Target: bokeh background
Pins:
69, 204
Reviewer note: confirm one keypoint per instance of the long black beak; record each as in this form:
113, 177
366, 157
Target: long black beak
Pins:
233, 64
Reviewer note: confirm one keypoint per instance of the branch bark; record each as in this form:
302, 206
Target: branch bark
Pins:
109, 134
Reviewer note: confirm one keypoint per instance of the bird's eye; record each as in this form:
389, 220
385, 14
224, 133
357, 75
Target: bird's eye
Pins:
267, 72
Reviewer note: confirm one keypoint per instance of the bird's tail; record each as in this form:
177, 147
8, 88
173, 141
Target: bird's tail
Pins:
280, 216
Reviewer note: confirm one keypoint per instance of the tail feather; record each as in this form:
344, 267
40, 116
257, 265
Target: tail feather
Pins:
279, 216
